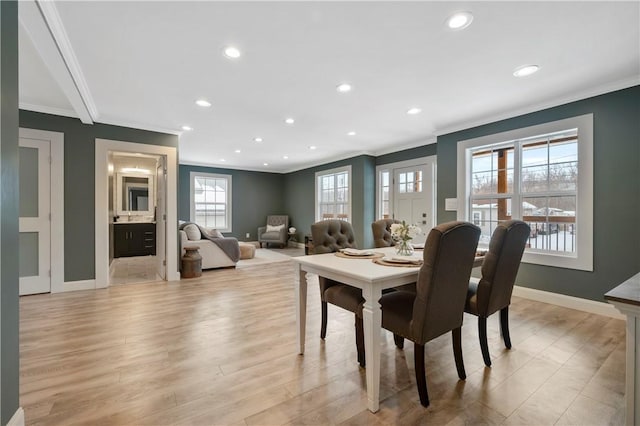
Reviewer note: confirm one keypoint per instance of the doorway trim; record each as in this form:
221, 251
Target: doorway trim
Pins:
56, 140
103, 146
390, 167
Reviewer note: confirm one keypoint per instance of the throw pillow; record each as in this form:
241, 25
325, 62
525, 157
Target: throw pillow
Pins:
276, 228
192, 231
213, 233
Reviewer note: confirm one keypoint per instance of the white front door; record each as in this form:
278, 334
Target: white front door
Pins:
413, 197
160, 216
35, 216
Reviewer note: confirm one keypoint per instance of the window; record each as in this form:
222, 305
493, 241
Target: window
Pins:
333, 194
541, 175
384, 195
211, 200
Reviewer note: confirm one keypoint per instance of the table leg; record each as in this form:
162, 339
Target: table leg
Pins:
301, 305
372, 322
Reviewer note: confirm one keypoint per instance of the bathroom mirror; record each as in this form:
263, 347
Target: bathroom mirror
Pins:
135, 194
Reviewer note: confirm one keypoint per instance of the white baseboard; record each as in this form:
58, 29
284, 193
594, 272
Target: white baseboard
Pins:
586, 305
17, 419
79, 285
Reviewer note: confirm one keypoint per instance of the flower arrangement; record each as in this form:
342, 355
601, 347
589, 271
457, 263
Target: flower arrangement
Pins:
403, 233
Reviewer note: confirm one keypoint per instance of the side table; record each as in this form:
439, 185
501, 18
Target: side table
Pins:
191, 263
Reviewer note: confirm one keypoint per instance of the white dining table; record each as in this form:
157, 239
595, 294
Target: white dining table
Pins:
372, 279
364, 274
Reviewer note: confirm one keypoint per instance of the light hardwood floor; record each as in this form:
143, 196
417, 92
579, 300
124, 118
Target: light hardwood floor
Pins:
221, 349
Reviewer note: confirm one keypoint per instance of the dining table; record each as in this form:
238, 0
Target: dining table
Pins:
364, 273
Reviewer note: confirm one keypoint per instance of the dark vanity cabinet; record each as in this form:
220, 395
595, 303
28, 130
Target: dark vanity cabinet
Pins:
134, 239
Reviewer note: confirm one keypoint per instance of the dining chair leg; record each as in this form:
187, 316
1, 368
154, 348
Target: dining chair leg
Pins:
482, 333
360, 341
456, 336
504, 326
399, 340
323, 325
421, 379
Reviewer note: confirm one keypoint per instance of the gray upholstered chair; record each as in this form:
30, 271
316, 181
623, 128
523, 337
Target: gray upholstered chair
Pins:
382, 232
438, 305
499, 269
279, 236
330, 236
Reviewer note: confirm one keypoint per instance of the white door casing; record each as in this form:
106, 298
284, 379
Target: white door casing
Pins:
103, 146
161, 223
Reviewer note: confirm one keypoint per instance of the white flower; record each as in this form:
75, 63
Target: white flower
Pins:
404, 232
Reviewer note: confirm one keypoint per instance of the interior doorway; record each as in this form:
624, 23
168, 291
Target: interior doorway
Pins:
144, 220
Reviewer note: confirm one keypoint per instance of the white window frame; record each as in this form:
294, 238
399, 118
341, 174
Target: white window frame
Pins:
582, 258
323, 173
228, 202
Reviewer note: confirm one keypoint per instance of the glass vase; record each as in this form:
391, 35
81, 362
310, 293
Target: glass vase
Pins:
404, 248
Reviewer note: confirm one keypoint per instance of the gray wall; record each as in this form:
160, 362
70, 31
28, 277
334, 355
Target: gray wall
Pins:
9, 337
300, 197
407, 154
255, 195
616, 234
79, 181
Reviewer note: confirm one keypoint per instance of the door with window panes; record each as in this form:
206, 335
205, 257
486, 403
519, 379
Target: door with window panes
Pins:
413, 197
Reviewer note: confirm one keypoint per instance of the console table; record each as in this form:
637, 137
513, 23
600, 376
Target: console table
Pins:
626, 298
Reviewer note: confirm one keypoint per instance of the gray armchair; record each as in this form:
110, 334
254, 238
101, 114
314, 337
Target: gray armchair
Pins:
279, 236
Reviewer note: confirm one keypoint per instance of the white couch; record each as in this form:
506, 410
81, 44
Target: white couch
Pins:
212, 255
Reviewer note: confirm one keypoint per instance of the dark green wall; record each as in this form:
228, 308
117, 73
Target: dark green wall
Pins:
616, 198
79, 181
407, 154
300, 197
9, 316
255, 195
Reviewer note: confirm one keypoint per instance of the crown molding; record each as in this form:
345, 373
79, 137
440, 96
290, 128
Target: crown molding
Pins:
59, 34
135, 125
48, 110
36, 27
560, 100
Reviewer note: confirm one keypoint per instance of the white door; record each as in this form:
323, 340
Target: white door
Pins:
35, 209
413, 190
160, 215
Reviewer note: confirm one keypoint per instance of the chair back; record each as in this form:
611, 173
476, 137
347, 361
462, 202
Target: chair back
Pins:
275, 220
382, 232
500, 266
332, 235
443, 280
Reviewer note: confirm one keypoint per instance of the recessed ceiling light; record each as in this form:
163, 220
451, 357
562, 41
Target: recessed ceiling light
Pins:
460, 20
343, 88
237, 151
525, 70
187, 128
257, 140
414, 111
286, 157
232, 52
351, 133
203, 103
222, 160
289, 120
265, 164
312, 147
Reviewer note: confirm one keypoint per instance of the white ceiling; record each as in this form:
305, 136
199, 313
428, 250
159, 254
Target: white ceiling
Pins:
143, 64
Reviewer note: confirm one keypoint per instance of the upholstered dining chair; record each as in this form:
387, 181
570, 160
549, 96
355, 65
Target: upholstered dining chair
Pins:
437, 307
499, 269
382, 232
330, 236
